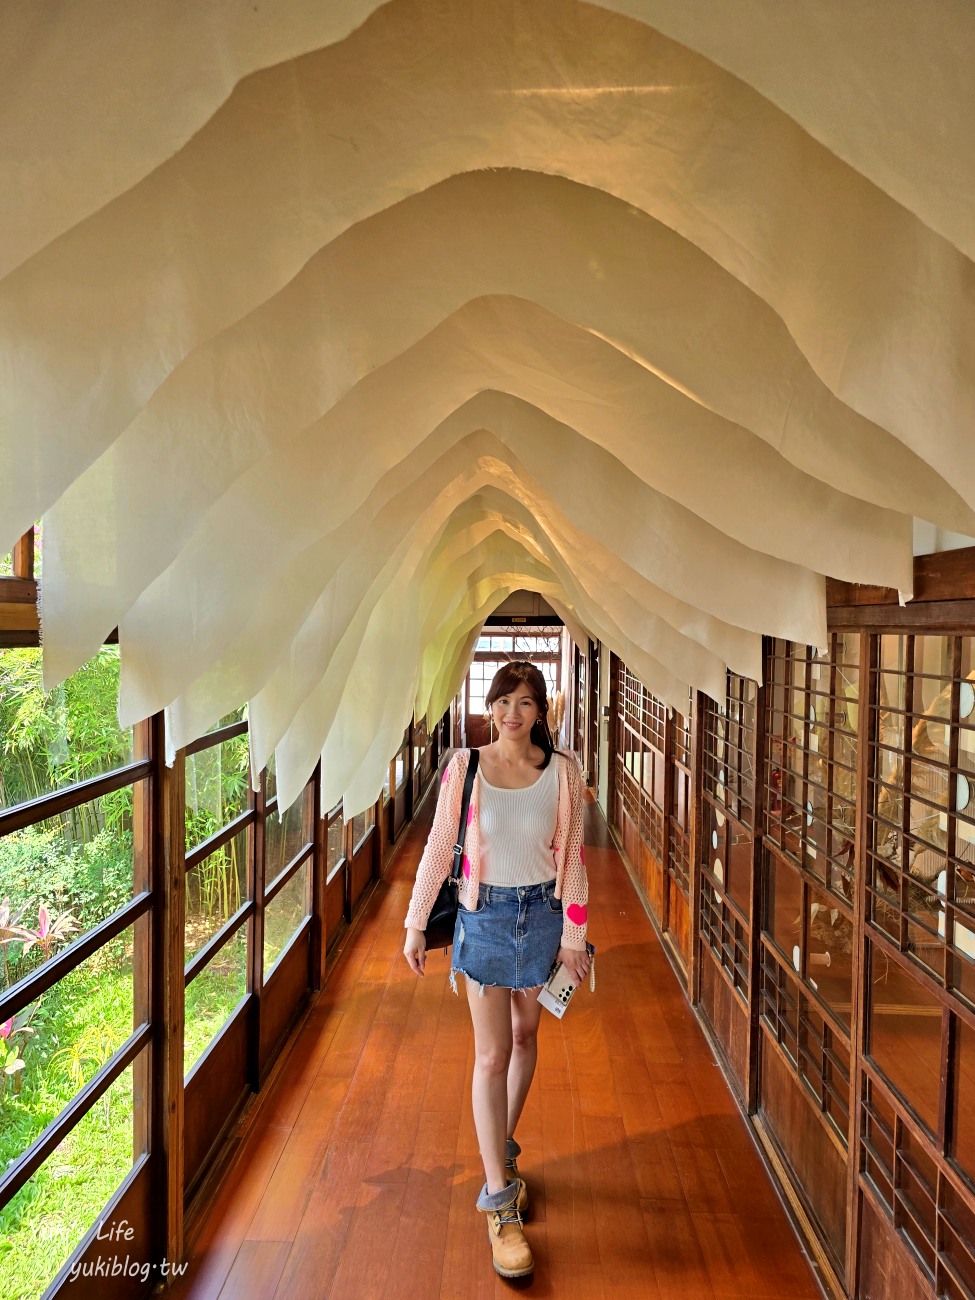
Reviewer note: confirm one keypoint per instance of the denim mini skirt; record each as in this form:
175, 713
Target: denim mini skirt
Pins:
510, 940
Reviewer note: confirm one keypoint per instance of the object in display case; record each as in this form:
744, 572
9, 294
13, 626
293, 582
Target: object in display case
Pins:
933, 793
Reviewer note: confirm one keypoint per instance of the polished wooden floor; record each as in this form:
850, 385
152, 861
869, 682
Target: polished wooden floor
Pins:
359, 1178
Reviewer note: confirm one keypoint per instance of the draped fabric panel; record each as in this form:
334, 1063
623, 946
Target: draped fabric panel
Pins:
325, 327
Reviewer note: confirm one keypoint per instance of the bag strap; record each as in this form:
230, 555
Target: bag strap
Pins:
464, 807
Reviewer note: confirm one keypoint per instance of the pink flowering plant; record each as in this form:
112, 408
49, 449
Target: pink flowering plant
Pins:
49, 933
13, 1034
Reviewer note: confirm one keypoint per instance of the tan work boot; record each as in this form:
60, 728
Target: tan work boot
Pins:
512, 1254
511, 1153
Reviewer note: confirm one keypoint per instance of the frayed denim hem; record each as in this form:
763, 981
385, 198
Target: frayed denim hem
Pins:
456, 970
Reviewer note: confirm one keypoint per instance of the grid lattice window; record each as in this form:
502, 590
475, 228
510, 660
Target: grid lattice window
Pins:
729, 748
641, 770
681, 734
928, 1205
921, 842
679, 857
780, 1005
678, 847
809, 859
726, 934
819, 1054
811, 748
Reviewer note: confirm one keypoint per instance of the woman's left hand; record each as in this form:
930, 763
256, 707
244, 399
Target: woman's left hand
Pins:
576, 962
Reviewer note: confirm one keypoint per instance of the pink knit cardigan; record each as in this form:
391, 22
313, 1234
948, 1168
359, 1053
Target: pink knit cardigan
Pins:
568, 862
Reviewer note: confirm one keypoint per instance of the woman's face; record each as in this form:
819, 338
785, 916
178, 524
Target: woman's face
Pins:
515, 714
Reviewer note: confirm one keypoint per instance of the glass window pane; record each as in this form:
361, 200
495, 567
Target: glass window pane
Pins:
963, 1128
239, 715
285, 912
64, 1038
932, 675
905, 1036
335, 848
784, 908
829, 959
271, 779
216, 789
738, 866
212, 996
44, 1222
284, 838
214, 891
361, 824
60, 878
56, 739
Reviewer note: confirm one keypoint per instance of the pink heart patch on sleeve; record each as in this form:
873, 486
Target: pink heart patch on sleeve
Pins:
470, 815
467, 865
577, 913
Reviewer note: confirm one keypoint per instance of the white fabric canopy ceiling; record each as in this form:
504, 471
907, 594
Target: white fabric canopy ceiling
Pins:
324, 327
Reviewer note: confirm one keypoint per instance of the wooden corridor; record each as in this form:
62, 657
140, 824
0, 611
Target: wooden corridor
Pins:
359, 1176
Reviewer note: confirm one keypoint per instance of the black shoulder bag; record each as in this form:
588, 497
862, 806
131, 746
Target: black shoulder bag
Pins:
440, 925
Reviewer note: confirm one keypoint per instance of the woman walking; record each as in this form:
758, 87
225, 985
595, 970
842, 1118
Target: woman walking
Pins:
522, 906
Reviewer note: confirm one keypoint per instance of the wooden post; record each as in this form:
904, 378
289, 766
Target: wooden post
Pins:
319, 831
410, 784
866, 729
143, 947
695, 799
347, 868
168, 876
668, 812
255, 845
756, 894
592, 713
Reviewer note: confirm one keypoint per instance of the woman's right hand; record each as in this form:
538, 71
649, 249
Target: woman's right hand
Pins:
415, 950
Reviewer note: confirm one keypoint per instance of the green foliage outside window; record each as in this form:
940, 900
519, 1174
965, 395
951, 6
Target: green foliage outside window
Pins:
59, 878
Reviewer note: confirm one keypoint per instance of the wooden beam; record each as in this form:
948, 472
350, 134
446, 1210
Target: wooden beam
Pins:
167, 996
19, 622
946, 575
24, 556
941, 616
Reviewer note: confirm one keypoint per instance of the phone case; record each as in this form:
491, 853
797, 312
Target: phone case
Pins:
557, 991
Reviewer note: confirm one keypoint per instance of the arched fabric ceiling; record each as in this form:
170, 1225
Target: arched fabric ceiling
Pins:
323, 328
889, 91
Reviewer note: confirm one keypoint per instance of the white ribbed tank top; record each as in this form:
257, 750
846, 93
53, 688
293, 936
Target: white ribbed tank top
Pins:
516, 829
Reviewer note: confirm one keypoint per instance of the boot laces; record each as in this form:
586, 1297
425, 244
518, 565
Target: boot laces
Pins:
510, 1214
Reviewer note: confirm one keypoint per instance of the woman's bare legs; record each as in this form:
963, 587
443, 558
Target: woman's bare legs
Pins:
492, 1020
526, 1011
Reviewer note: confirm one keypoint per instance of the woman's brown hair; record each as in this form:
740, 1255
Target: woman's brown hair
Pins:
521, 673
